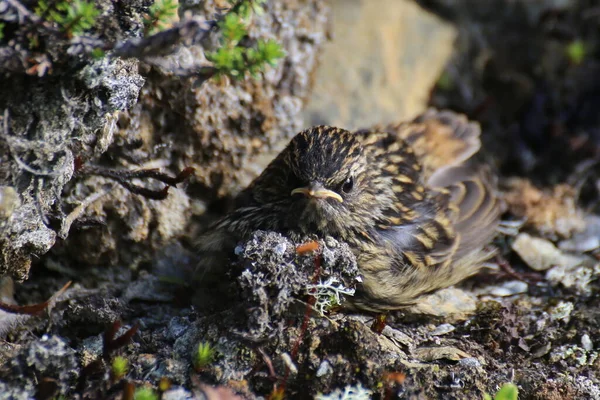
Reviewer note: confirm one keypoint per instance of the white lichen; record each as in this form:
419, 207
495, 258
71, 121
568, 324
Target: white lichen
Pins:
328, 294
357, 392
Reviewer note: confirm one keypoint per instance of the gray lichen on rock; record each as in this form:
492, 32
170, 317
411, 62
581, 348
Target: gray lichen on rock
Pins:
88, 111
275, 278
50, 358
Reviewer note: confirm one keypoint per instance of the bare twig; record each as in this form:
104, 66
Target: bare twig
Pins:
79, 210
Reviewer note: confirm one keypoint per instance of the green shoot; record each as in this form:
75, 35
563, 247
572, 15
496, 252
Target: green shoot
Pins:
73, 17
203, 356
508, 391
160, 16
119, 368
145, 394
235, 60
576, 52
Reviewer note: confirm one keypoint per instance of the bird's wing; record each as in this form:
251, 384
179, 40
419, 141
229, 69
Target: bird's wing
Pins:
418, 223
440, 139
457, 211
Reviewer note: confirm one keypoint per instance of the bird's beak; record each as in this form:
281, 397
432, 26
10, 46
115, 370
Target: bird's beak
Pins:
318, 192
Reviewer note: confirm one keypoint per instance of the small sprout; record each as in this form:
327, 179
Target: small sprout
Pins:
119, 368
235, 60
97, 53
327, 295
145, 394
233, 29
73, 17
269, 52
278, 393
160, 16
164, 384
445, 81
508, 391
203, 356
576, 52
2, 31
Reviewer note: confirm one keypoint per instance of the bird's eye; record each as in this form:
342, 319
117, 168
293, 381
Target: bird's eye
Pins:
348, 185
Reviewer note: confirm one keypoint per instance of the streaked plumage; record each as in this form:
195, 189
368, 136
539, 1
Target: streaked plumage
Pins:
404, 197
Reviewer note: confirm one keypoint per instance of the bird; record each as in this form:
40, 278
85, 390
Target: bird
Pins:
415, 209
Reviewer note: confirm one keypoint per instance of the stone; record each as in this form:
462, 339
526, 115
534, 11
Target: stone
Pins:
381, 64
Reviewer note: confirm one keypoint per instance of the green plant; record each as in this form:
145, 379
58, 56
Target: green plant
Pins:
160, 15
119, 367
1, 31
203, 356
235, 60
145, 394
508, 391
73, 17
576, 52
246, 8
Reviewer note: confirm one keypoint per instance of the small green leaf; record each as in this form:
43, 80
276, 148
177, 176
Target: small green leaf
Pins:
233, 29
508, 391
145, 394
119, 367
97, 53
576, 52
270, 51
203, 356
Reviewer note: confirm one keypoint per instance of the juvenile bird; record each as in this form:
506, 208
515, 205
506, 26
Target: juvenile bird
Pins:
404, 197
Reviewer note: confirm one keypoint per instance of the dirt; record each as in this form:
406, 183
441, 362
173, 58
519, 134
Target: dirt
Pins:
530, 318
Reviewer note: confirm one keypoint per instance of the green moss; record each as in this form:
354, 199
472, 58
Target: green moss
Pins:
145, 394
576, 52
119, 367
508, 391
203, 356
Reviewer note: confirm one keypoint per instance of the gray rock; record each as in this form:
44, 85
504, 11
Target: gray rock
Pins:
381, 64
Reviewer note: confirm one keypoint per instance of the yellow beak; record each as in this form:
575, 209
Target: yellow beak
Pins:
318, 193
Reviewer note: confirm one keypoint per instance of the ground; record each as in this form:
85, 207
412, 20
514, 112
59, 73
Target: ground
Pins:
526, 71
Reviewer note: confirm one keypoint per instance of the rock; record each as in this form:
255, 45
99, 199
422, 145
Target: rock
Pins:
381, 64
585, 241
50, 358
562, 311
177, 394
586, 342
505, 289
451, 303
470, 362
553, 213
575, 277
540, 254
89, 113
442, 329
437, 353
398, 337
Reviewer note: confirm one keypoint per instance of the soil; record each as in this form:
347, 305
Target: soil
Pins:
531, 318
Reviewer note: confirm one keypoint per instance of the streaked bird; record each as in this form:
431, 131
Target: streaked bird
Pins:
414, 208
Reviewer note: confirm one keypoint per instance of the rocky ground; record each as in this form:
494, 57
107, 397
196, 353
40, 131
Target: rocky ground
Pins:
527, 71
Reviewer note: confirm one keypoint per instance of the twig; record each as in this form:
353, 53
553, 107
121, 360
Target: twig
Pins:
78, 211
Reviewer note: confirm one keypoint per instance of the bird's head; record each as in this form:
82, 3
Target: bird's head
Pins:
326, 181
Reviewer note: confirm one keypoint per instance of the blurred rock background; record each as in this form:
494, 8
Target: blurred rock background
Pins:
526, 70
